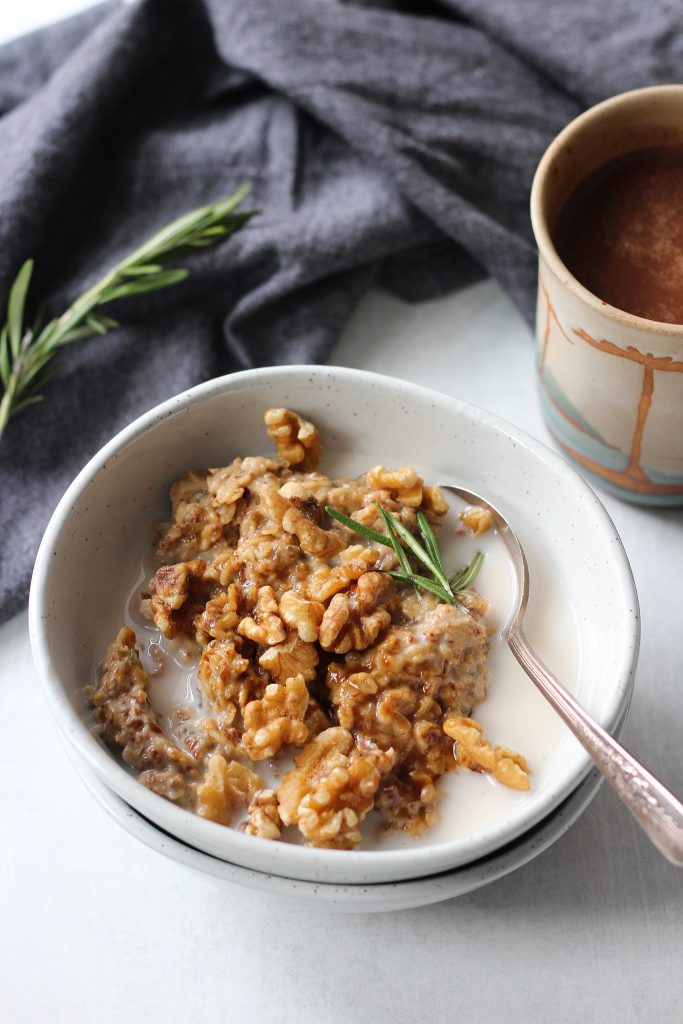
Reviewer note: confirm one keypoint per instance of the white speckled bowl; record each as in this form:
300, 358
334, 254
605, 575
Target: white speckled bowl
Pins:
90, 554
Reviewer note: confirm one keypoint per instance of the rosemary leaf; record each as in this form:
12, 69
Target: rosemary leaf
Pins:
29, 401
466, 577
93, 325
396, 545
430, 540
15, 307
4, 358
146, 283
364, 531
391, 533
149, 268
421, 581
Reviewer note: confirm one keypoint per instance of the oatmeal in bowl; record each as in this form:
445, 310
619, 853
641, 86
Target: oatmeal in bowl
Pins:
180, 700
331, 677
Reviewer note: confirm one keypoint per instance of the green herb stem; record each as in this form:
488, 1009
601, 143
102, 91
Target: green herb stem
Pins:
364, 531
466, 577
26, 351
396, 545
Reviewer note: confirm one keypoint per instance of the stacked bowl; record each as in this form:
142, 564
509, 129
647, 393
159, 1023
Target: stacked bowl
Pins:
583, 618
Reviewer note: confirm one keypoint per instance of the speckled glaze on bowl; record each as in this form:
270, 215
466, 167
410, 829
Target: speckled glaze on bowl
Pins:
84, 565
351, 899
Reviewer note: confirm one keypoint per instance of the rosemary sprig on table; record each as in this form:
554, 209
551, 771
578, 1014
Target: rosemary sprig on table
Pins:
404, 543
25, 351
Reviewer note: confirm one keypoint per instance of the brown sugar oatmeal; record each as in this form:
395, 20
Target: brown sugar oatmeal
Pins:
307, 653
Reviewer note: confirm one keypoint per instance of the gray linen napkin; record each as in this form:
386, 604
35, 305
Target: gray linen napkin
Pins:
387, 143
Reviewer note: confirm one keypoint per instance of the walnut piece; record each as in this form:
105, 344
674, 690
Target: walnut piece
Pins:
276, 719
291, 658
477, 520
354, 620
433, 500
474, 751
312, 538
297, 441
227, 484
302, 615
403, 482
197, 524
354, 562
226, 786
264, 626
264, 817
331, 789
170, 590
220, 616
295, 489
227, 678
316, 721
298, 497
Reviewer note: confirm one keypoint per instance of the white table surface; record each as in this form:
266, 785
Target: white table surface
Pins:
94, 927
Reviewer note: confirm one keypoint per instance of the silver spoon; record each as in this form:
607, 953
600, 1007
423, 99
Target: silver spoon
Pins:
654, 807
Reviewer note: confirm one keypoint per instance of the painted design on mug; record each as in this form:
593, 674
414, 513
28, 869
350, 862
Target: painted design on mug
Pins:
620, 469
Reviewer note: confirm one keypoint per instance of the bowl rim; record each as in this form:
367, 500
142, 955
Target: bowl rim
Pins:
288, 859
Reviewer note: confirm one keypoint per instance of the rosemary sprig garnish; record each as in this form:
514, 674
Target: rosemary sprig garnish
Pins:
399, 538
25, 351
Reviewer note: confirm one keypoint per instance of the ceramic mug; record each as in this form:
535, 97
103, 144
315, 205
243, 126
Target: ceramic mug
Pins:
611, 383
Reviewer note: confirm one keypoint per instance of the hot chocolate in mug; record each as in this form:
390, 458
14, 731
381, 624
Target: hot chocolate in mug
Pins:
611, 381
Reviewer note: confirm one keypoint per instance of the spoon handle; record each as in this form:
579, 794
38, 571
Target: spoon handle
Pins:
653, 806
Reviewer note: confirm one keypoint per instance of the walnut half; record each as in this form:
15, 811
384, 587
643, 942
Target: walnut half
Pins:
226, 676
474, 751
226, 785
264, 626
290, 658
297, 441
170, 590
302, 615
355, 619
276, 719
264, 817
332, 788
403, 482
